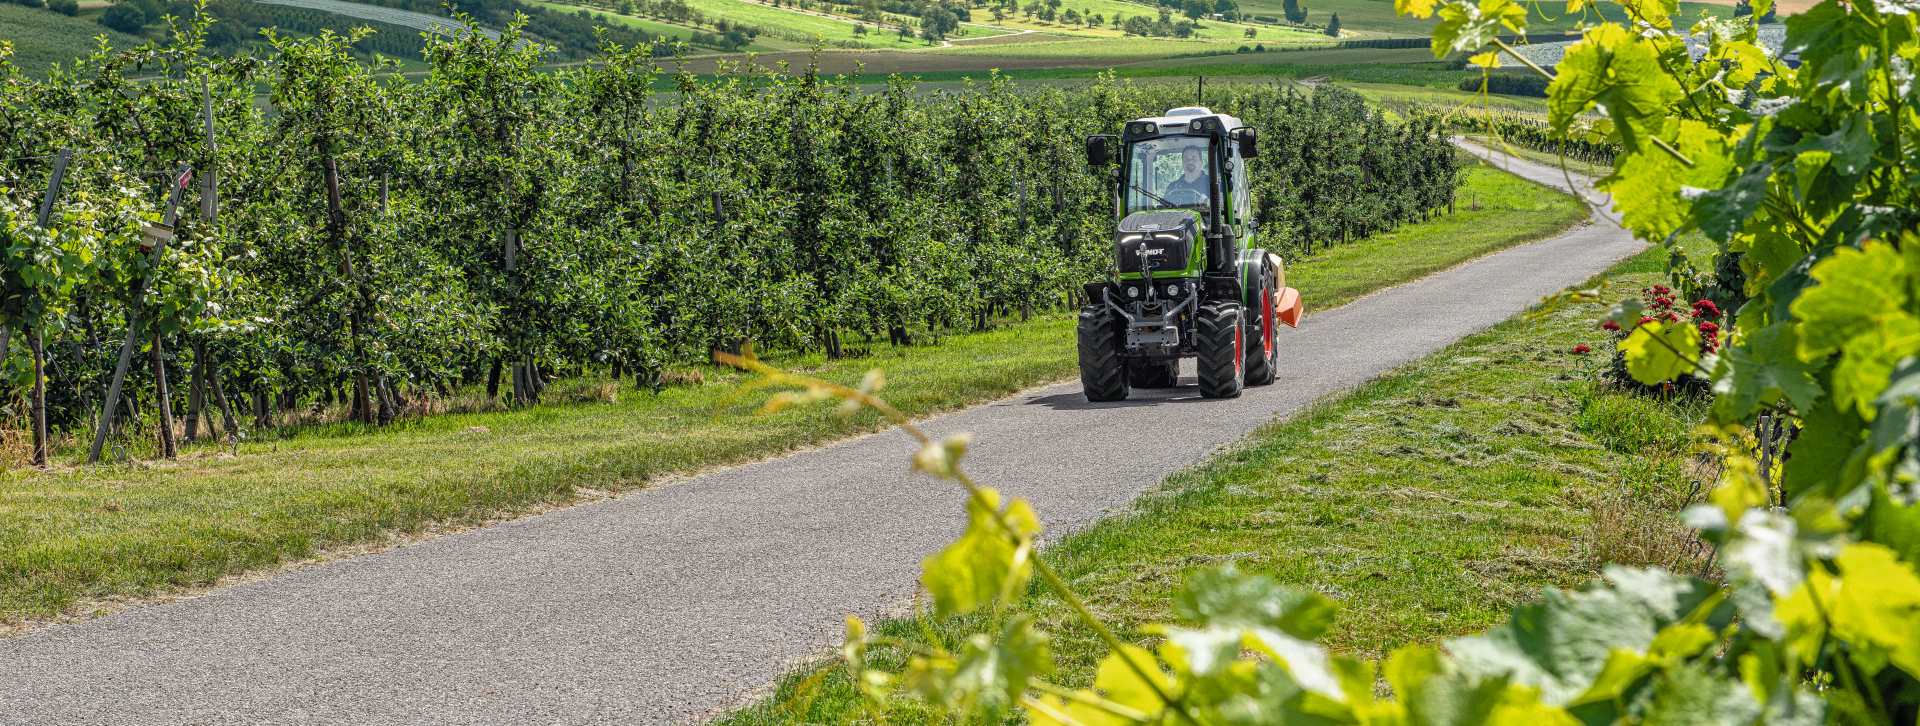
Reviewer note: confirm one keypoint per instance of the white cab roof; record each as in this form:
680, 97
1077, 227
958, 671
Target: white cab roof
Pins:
1180, 116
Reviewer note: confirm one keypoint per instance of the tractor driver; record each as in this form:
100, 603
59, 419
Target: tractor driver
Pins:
1191, 186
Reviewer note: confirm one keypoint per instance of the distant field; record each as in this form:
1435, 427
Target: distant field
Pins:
763, 44
1402, 96
1103, 49
1107, 10
41, 37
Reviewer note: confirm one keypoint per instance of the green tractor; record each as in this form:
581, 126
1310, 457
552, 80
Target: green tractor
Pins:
1189, 282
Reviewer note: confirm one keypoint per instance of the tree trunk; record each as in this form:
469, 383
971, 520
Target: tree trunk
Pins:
196, 390
232, 426
41, 453
162, 406
493, 380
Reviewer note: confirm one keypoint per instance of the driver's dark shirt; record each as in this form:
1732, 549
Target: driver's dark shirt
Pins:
1197, 186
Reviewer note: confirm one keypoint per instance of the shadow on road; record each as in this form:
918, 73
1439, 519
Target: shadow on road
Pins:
1186, 392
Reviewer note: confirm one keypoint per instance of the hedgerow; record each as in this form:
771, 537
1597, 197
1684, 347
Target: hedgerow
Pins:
378, 238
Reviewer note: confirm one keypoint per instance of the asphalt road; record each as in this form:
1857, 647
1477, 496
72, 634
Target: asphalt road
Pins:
668, 603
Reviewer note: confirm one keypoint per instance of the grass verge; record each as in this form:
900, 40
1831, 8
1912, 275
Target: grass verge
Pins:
1426, 502
71, 540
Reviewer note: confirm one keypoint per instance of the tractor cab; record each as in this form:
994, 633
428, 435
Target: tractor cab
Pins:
1187, 280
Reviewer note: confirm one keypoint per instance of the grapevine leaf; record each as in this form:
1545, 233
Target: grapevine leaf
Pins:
1856, 288
1305, 661
1620, 74
989, 674
976, 568
1417, 8
1848, 150
1658, 352
1561, 643
1466, 26
1123, 683
1722, 212
1758, 371
1224, 598
1867, 362
1827, 440
1690, 694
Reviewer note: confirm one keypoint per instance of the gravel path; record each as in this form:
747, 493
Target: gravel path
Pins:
671, 602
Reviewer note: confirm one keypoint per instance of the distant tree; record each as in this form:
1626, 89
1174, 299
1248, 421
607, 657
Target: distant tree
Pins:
906, 33
1031, 9
1166, 16
1183, 29
64, 7
1295, 11
1095, 20
1196, 9
1138, 25
1333, 25
859, 29
1251, 32
124, 18
1047, 14
1227, 8
999, 14
1261, 48
1071, 16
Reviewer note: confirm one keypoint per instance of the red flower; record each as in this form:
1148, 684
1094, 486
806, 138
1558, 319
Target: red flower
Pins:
1708, 329
1644, 321
1662, 303
1581, 350
1706, 309
1609, 325
1669, 317
1662, 290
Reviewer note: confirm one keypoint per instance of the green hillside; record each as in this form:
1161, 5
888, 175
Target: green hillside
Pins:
42, 37
1376, 17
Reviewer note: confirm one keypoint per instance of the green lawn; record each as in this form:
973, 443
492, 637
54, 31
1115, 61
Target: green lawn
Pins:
1425, 503
1511, 210
70, 539
42, 37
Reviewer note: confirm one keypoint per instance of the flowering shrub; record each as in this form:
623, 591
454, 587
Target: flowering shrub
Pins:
1660, 308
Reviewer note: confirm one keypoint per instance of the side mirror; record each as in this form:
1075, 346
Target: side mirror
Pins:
1099, 149
1249, 142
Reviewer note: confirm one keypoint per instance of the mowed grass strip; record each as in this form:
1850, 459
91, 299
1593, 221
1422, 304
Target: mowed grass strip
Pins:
1426, 503
1511, 210
115, 531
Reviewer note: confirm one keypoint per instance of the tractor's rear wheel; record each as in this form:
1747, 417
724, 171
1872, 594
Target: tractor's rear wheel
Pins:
1141, 374
1263, 349
1222, 342
1103, 373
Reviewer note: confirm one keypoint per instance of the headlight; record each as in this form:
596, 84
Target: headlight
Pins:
1133, 291
1173, 290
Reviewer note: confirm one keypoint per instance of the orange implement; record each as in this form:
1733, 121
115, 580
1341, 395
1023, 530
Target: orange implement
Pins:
1290, 307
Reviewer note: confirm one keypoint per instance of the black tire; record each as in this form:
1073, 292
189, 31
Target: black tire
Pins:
1103, 373
1221, 335
1263, 349
1153, 375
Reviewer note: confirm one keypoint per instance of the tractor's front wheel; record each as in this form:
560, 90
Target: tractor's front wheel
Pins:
1103, 373
1222, 342
1153, 375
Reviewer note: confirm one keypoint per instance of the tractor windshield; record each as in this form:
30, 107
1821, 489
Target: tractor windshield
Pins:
1168, 173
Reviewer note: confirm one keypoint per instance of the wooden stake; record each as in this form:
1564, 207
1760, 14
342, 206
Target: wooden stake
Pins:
161, 397
133, 323
40, 454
